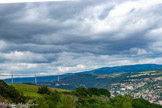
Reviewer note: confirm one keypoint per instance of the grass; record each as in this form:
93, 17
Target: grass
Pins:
114, 75
108, 75
31, 90
157, 73
1, 97
144, 73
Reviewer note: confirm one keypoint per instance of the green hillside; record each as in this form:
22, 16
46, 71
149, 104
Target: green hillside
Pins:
105, 80
32, 96
31, 90
145, 84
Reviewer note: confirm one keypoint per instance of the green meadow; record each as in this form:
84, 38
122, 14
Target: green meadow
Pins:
31, 90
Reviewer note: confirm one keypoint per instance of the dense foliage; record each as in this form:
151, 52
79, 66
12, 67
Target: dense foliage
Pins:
43, 90
91, 98
79, 98
82, 92
11, 93
90, 80
141, 103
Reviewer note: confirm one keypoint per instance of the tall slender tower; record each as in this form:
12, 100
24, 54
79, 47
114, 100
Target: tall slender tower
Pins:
12, 77
58, 78
35, 78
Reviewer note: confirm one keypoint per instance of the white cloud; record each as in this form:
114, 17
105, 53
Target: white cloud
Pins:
18, 56
52, 37
156, 60
138, 51
18, 66
155, 33
24, 1
128, 6
71, 69
2, 45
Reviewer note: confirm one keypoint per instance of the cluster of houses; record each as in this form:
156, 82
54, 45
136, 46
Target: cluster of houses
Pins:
147, 88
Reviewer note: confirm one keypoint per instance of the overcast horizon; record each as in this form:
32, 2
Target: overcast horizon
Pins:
75, 36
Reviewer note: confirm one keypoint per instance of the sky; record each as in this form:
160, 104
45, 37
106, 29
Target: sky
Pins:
79, 35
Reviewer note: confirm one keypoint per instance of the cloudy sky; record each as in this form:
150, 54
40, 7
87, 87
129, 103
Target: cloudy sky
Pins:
73, 36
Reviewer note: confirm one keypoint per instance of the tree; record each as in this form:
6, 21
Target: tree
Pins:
11, 93
93, 91
43, 90
104, 92
66, 102
48, 100
81, 92
141, 103
121, 101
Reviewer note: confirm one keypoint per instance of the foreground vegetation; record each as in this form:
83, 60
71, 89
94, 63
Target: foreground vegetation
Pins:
45, 97
30, 90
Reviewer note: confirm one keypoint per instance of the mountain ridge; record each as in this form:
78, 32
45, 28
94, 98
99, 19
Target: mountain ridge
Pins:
103, 70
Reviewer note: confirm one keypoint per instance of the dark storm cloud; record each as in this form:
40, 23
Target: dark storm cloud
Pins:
73, 32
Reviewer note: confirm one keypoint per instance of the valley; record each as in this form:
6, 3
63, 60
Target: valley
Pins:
140, 81
145, 84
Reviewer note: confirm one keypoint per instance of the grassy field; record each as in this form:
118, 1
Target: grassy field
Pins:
108, 75
31, 90
145, 73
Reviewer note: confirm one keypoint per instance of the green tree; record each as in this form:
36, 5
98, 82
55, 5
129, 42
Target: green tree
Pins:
141, 103
93, 91
121, 101
66, 102
43, 90
81, 92
48, 100
11, 93
104, 92
85, 102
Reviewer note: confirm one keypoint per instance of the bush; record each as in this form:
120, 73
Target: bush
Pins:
121, 101
11, 93
93, 91
48, 100
82, 92
104, 92
43, 90
85, 102
66, 102
141, 103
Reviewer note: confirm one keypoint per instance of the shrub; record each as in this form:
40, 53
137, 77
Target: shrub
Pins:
104, 92
66, 102
81, 92
43, 90
141, 103
11, 93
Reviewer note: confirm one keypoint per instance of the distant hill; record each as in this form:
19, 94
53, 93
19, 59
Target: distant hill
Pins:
103, 80
104, 70
86, 80
126, 68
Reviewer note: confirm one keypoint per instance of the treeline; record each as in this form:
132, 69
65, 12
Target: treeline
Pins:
89, 98
79, 98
